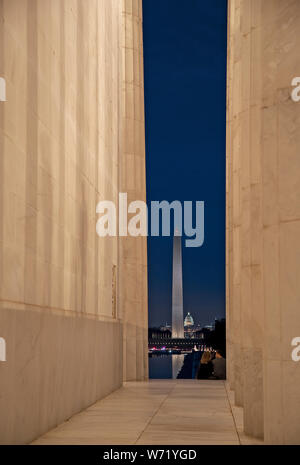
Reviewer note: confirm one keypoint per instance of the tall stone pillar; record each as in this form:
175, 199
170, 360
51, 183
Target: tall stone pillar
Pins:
133, 250
281, 219
233, 202
263, 182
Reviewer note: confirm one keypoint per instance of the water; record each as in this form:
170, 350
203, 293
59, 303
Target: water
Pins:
172, 366
165, 366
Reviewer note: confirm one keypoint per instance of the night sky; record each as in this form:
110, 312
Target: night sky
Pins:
185, 104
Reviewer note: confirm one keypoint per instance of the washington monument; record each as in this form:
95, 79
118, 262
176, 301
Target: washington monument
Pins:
177, 298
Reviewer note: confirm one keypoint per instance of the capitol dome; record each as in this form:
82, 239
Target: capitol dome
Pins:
189, 320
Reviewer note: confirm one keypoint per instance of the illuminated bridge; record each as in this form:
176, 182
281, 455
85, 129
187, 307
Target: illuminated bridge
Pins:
175, 343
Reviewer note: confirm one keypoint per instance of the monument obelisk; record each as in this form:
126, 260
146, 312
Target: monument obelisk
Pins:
177, 294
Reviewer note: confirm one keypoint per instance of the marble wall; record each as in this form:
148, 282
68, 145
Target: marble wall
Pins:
263, 221
71, 134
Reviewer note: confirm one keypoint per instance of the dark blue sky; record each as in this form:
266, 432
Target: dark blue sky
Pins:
185, 104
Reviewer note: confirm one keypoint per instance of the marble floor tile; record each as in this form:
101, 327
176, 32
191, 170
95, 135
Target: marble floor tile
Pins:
156, 412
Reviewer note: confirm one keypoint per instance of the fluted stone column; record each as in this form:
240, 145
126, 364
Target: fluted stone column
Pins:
133, 250
234, 211
229, 191
177, 289
264, 188
281, 219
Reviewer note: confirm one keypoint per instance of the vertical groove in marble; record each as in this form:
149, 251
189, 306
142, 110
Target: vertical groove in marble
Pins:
234, 137
281, 219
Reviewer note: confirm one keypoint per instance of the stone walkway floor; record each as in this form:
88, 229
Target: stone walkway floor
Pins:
163, 412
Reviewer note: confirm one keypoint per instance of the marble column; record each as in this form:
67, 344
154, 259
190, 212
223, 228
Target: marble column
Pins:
133, 250
263, 188
177, 289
